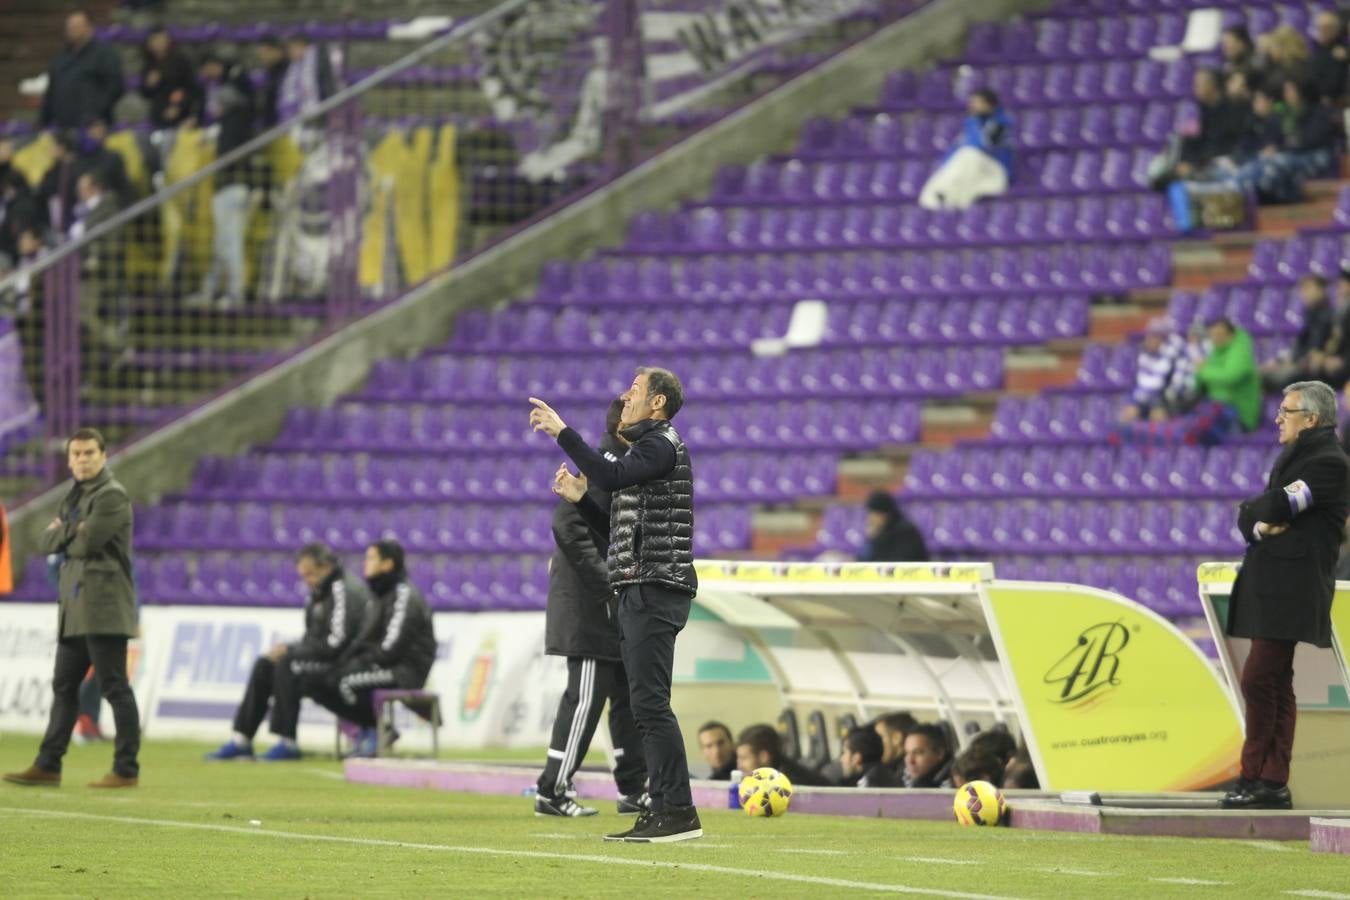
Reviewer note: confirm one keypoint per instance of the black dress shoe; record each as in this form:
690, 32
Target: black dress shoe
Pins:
1258, 795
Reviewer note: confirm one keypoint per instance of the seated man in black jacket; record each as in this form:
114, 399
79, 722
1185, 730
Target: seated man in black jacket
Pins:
289, 672
761, 745
860, 758
928, 759
395, 647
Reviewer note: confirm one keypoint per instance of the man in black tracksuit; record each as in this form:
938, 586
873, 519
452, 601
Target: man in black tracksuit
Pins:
650, 524
395, 647
289, 672
582, 624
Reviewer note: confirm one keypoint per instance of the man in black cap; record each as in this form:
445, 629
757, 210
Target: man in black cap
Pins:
891, 536
581, 623
650, 524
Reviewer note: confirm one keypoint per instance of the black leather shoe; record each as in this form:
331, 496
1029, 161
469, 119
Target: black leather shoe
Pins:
1258, 795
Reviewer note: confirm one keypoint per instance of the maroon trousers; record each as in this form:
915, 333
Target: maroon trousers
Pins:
1268, 689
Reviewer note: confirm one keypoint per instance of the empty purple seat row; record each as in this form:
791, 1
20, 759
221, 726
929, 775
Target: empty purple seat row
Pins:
315, 30
1071, 472
1284, 261
1273, 310
863, 226
1166, 585
1080, 35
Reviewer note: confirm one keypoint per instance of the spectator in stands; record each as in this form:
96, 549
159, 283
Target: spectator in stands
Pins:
761, 745
1309, 133
273, 61
1230, 384
1263, 132
1239, 53
84, 79
96, 205
309, 78
395, 647
227, 108
56, 193
719, 751
891, 536
1214, 135
1165, 382
18, 207
981, 163
1306, 358
928, 758
1329, 63
168, 82
334, 612
977, 764
94, 155
1286, 56
892, 728
860, 760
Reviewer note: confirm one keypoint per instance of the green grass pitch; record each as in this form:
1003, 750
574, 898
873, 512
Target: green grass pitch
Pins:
189, 831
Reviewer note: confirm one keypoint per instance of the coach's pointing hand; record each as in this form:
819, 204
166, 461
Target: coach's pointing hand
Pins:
543, 418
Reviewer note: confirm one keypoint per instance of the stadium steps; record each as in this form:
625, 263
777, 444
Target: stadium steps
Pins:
1197, 265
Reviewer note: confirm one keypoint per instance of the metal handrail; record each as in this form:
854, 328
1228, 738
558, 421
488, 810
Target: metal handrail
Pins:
164, 195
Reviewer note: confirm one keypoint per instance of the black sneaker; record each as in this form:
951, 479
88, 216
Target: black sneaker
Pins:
645, 820
634, 803
561, 806
674, 823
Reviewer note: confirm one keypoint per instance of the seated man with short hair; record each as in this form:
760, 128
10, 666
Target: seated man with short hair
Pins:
892, 728
719, 752
928, 759
860, 759
761, 745
977, 764
290, 671
395, 648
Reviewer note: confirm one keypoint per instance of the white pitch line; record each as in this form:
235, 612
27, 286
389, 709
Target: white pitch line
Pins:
1325, 895
1277, 846
740, 873
1195, 881
1085, 873
940, 860
815, 852
325, 773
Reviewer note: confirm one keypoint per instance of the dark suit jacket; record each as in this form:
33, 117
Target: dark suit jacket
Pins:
94, 535
1284, 589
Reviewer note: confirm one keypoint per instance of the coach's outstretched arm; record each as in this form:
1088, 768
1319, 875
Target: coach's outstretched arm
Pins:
1323, 480
650, 458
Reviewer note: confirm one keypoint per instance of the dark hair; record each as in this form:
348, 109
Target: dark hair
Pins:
390, 549
317, 553
996, 741
1242, 34
902, 722
714, 725
976, 764
1214, 75
665, 383
936, 737
763, 739
1225, 323
1307, 91
988, 96
612, 417
95, 179
866, 742
87, 434
1021, 774
81, 11
1314, 278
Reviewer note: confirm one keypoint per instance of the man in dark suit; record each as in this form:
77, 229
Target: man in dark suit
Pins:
97, 614
581, 623
1283, 593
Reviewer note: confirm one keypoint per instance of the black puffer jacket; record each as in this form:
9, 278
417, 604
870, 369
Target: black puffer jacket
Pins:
651, 539
333, 617
580, 620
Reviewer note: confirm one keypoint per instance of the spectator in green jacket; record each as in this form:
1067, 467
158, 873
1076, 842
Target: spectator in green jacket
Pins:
1229, 397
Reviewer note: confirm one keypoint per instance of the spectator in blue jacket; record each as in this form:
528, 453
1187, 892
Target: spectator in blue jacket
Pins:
981, 163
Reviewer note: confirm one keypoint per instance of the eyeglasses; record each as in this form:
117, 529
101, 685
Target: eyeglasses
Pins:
1283, 413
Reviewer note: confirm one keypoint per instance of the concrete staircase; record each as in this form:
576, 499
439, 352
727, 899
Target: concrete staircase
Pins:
1197, 264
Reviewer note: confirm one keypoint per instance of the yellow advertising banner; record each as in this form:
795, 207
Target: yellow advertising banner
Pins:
1113, 697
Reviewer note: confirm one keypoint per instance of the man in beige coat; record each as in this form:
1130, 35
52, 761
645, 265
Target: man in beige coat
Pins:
97, 614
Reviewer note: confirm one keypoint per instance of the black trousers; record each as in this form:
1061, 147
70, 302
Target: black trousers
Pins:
278, 688
591, 682
347, 692
108, 655
650, 617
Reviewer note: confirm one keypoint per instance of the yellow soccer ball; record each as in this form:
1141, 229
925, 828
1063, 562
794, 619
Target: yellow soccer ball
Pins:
765, 792
979, 803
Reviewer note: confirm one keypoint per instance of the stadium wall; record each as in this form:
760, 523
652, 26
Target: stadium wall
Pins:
253, 412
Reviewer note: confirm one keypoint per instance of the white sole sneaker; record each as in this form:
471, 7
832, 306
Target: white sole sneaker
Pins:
668, 838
